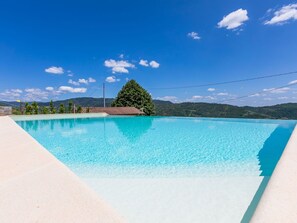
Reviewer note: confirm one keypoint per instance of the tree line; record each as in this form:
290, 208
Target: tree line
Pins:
34, 109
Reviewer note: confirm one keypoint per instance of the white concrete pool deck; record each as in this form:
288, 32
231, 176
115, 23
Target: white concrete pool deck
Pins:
36, 187
279, 200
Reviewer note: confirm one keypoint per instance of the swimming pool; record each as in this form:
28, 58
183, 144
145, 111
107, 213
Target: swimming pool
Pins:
173, 169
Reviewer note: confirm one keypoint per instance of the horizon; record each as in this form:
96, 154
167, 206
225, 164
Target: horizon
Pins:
75, 98
58, 50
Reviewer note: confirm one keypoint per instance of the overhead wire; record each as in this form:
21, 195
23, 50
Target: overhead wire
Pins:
225, 82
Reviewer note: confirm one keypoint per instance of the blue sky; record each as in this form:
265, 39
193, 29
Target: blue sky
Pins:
62, 49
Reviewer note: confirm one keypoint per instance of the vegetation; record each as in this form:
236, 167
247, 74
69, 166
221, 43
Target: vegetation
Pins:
62, 109
167, 108
35, 108
45, 110
70, 107
28, 109
283, 111
52, 109
133, 95
79, 109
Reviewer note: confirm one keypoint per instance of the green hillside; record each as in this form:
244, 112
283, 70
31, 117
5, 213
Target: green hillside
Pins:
190, 109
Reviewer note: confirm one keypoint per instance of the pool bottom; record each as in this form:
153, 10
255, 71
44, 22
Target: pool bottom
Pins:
174, 200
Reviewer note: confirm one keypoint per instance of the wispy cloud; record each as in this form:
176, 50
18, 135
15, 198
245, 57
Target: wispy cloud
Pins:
35, 94
234, 19
82, 81
111, 79
197, 97
12, 94
276, 90
211, 89
194, 35
75, 83
91, 80
283, 15
223, 94
54, 70
200, 97
293, 82
120, 66
168, 98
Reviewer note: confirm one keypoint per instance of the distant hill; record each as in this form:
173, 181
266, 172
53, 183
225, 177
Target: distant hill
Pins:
282, 111
191, 109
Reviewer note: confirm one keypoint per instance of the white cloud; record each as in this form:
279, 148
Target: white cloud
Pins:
211, 89
111, 79
54, 70
277, 90
293, 82
144, 63
154, 64
223, 94
267, 99
70, 75
72, 90
35, 94
91, 80
283, 98
12, 94
284, 14
167, 98
120, 66
210, 97
194, 35
234, 19
18, 91
75, 83
83, 81
255, 95
121, 56
49, 88
197, 97
120, 70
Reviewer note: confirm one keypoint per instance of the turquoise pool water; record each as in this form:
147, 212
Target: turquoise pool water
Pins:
210, 170
177, 145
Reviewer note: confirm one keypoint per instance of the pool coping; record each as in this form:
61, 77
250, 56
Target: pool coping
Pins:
37, 187
57, 116
279, 200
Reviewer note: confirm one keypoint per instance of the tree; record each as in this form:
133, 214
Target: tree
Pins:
52, 108
70, 107
79, 109
88, 110
62, 109
133, 95
45, 110
28, 109
35, 108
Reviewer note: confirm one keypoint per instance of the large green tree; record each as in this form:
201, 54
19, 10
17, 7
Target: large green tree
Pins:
133, 95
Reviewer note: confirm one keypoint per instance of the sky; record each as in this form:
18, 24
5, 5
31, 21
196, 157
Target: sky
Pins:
52, 50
